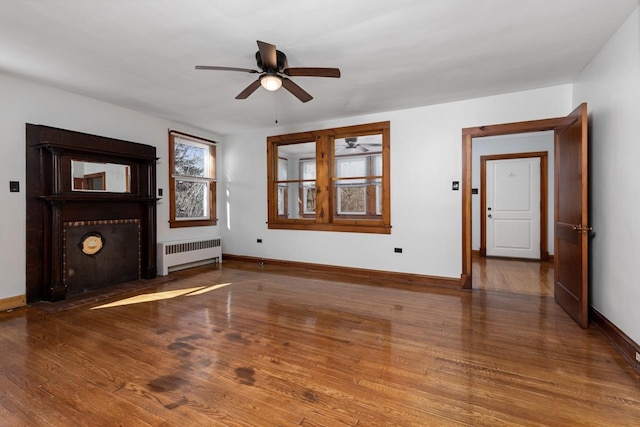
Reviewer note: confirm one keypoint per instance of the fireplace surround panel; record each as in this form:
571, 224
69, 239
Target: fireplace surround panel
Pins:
117, 228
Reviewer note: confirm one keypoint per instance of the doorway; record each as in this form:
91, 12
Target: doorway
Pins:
514, 276
570, 205
513, 191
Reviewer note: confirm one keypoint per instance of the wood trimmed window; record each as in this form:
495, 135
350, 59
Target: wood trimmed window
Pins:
192, 183
339, 179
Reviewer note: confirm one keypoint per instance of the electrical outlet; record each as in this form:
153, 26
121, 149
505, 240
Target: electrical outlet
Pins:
259, 240
637, 357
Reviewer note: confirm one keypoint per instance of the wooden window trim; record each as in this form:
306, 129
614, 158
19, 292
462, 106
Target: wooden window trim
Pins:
325, 219
180, 223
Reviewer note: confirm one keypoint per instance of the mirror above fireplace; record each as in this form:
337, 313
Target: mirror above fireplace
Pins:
94, 176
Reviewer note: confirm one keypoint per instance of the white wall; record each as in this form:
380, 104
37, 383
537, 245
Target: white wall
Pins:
27, 102
611, 87
503, 144
426, 153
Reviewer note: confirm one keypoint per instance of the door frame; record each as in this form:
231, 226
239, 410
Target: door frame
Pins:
490, 130
544, 195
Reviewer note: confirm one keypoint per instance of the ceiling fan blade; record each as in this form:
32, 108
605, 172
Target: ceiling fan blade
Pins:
211, 67
249, 90
296, 90
312, 72
268, 55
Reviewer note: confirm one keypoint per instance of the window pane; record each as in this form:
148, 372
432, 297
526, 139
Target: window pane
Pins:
297, 162
309, 199
190, 159
377, 165
191, 199
283, 193
282, 169
300, 161
351, 166
308, 169
354, 145
378, 186
351, 199
357, 193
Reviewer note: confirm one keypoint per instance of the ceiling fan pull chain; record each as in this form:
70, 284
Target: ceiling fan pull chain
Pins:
276, 98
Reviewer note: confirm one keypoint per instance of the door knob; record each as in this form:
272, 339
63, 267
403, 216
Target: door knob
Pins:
489, 216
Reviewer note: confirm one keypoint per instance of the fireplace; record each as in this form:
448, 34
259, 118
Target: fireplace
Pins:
91, 212
100, 253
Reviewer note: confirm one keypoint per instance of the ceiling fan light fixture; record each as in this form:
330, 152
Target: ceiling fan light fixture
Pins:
271, 82
272, 62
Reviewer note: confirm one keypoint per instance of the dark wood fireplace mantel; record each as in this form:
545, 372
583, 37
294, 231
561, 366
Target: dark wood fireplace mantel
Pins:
57, 212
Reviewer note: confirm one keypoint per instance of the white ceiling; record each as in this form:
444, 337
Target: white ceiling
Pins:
393, 55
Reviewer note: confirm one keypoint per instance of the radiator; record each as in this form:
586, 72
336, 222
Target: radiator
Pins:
188, 253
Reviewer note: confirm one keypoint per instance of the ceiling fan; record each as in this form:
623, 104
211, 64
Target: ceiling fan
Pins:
351, 145
275, 70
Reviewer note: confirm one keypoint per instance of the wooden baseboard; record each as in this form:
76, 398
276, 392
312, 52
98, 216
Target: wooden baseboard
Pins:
475, 254
620, 341
378, 275
13, 302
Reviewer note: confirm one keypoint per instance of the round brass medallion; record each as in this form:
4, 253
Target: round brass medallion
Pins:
91, 244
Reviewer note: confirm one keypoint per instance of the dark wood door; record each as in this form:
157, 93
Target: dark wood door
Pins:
571, 222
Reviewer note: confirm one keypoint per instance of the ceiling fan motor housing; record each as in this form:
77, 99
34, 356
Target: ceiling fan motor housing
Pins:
281, 59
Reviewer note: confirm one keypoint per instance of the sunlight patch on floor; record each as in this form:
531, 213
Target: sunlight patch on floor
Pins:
157, 296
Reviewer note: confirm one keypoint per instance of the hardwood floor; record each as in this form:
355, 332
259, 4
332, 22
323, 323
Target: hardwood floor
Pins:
512, 275
243, 346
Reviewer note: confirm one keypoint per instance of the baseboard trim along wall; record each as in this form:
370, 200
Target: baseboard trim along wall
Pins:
620, 341
13, 302
378, 275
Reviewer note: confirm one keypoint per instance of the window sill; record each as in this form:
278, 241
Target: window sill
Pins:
193, 223
348, 228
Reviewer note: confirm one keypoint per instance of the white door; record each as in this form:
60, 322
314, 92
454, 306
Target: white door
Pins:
513, 208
